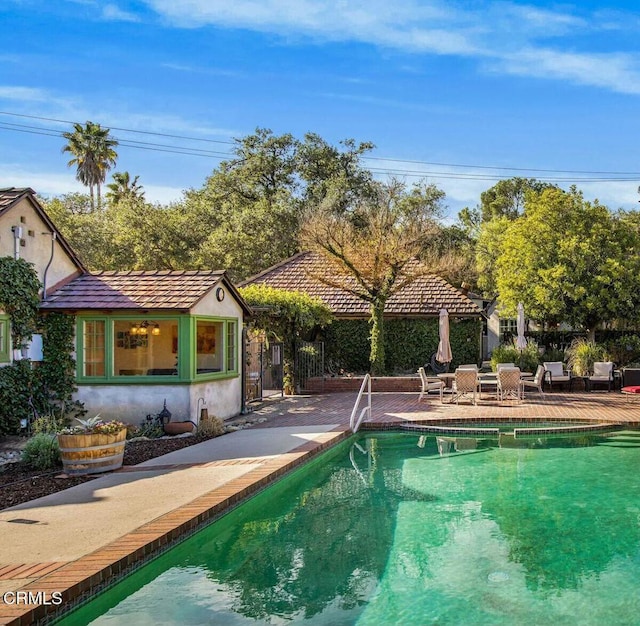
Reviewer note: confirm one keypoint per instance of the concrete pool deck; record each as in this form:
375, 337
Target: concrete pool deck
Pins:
76, 540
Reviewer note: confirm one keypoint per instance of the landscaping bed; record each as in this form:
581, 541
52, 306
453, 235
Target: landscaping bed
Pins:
19, 483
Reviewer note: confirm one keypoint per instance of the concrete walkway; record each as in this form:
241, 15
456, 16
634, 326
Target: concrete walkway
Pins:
76, 540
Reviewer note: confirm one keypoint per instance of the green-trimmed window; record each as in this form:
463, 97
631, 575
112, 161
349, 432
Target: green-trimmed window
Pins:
232, 346
94, 344
5, 344
153, 349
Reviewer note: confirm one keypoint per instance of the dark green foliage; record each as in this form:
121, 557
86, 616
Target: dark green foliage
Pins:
527, 360
409, 343
57, 372
19, 287
26, 392
42, 452
16, 396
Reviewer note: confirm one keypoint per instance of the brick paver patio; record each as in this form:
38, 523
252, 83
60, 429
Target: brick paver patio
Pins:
398, 407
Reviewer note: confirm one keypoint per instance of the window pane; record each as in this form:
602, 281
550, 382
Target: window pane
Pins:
145, 348
209, 346
94, 356
4, 340
231, 346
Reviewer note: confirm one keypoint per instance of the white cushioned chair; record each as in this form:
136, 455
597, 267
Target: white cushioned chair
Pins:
555, 374
602, 375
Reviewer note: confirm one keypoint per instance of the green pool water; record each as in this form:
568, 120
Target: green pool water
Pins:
401, 530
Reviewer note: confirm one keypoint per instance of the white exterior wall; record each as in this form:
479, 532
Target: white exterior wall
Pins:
132, 403
37, 247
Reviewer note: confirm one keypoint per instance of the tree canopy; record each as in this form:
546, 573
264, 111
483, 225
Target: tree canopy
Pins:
383, 239
569, 260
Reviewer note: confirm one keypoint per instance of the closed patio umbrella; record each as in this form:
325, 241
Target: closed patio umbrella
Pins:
443, 355
521, 342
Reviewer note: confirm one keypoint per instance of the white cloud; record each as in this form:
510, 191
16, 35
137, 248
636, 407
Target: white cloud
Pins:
618, 72
114, 13
23, 94
512, 38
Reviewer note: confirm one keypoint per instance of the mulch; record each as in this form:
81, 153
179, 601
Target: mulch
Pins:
19, 483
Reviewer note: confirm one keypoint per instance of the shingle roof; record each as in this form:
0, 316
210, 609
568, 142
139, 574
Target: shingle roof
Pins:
424, 297
9, 195
169, 290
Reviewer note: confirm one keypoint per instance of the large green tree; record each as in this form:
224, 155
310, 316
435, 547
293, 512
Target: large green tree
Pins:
248, 212
569, 260
93, 155
376, 244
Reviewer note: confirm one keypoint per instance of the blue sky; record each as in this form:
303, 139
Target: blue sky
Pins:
460, 93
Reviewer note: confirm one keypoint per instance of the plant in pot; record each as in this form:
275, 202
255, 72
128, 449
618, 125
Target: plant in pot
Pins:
92, 446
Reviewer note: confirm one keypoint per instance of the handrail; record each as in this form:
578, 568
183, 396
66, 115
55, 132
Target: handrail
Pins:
354, 423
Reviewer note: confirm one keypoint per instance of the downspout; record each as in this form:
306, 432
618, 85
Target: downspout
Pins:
243, 365
46, 269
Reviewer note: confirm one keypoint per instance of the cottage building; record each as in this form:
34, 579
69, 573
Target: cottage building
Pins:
141, 337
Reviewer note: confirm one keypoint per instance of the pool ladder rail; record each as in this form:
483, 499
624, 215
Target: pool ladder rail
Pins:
356, 419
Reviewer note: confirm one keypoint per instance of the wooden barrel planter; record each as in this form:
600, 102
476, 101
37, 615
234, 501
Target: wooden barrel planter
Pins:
92, 453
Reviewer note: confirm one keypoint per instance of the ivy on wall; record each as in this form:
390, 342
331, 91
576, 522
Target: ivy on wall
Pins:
25, 391
409, 343
19, 297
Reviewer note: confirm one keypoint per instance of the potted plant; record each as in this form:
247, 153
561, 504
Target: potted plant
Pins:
92, 446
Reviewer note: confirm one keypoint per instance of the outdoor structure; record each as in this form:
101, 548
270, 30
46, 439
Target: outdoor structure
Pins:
146, 337
26, 232
422, 298
417, 306
141, 337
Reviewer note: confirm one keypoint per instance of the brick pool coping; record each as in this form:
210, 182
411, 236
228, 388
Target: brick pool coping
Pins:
86, 576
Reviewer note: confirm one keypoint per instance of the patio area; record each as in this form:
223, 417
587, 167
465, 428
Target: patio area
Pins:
390, 408
75, 542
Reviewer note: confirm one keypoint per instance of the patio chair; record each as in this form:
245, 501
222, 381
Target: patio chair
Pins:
602, 375
509, 383
555, 374
499, 366
428, 385
468, 366
466, 383
536, 383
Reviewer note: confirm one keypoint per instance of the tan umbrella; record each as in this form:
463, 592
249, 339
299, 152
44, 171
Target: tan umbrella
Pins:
443, 355
521, 342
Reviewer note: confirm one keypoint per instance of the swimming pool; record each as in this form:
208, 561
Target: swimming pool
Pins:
398, 528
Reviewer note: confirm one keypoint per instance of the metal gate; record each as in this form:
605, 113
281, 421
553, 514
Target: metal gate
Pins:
309, 363
263, 370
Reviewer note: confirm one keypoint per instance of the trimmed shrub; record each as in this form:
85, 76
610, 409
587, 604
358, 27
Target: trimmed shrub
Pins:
409, 343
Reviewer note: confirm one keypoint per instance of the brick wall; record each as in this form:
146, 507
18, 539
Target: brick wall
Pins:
378, 383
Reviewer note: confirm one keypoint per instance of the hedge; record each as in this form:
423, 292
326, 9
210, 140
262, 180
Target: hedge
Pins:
409, 343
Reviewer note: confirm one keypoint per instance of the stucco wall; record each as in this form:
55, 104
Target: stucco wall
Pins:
37, 247
132, 403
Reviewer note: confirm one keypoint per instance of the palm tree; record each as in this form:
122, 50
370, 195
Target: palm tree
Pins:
123, 188
93, 155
